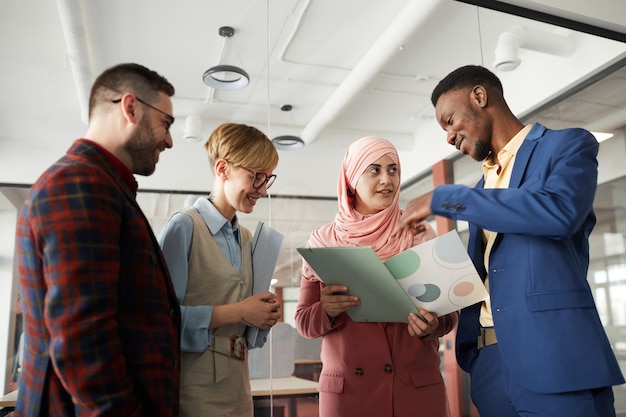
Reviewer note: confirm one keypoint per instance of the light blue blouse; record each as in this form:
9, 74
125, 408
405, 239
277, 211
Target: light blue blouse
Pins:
175, 241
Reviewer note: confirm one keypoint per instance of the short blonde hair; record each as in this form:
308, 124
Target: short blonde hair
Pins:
241, 145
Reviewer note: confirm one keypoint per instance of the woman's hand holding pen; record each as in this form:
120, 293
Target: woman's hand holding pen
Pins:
420, 327
335, 300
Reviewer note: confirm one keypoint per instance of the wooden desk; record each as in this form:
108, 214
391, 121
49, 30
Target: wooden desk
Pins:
307, 361
9, 400
290, 387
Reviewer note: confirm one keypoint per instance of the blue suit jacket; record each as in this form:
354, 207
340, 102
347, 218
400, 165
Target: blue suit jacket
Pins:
546, 322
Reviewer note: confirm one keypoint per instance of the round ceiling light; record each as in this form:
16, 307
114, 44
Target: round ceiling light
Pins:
288, 143
225, 77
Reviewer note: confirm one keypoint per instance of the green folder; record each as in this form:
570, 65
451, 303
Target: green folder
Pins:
367, 277
437, 275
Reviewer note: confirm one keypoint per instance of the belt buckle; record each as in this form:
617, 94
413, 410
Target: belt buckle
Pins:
482, 342
237, 348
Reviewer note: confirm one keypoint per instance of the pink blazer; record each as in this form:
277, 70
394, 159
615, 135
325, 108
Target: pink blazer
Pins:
373, 369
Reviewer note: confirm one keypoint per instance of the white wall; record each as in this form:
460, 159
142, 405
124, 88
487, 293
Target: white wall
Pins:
8, 293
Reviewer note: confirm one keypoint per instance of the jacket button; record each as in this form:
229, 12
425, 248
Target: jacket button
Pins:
359, 371
388, 369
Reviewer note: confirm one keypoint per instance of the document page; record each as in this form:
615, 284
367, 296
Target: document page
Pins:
437, 275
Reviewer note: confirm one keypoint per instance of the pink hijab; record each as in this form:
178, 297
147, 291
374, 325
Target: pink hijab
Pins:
351, 228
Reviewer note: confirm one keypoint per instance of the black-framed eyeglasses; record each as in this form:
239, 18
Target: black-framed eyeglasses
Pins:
259, 178
170, 118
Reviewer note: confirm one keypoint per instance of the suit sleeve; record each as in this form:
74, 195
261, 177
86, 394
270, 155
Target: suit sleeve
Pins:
555, 197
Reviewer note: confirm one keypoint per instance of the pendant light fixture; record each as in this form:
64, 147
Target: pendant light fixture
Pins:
225, 76
192, 132
287, 142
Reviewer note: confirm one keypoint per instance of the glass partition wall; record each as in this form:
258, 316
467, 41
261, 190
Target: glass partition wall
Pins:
607, 270
296, 217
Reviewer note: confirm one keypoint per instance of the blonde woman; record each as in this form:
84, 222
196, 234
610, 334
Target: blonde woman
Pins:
209, 256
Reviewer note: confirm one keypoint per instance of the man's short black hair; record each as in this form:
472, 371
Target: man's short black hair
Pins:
128, 78
466, 76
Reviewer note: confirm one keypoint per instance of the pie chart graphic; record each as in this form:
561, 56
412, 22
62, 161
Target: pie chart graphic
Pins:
425, 293
404, 264
462, 290
438, 273
449, 252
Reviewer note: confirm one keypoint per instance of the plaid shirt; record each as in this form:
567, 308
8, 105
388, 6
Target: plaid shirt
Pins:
101, 319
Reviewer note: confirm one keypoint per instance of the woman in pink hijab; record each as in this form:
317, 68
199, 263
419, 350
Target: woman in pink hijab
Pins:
371, 369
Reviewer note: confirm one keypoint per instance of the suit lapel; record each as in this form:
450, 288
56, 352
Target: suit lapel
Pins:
524, 153
522, 159
475, 246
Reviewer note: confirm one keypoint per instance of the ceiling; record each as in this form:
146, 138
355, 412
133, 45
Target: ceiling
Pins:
348, 68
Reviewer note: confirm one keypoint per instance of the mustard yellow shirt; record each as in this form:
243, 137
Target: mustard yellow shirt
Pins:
498, 176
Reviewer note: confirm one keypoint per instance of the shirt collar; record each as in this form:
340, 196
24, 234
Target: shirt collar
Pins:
122, 170
507, 153
214, 220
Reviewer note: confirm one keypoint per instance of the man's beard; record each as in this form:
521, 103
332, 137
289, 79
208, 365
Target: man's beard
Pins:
481, 151
140, 148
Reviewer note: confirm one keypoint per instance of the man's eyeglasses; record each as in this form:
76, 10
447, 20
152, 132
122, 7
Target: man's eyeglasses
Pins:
260, 178
170, 118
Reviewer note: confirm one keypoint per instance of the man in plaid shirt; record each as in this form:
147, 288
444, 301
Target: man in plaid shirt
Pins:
101, 319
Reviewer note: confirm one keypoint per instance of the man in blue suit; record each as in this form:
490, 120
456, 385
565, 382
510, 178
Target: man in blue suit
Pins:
537, 346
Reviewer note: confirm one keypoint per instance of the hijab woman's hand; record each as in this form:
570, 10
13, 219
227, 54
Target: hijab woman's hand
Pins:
422, 326
335, 300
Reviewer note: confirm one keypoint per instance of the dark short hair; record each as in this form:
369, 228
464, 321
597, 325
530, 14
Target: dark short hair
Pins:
128, 78
466, 77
